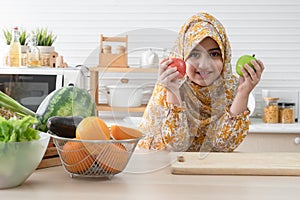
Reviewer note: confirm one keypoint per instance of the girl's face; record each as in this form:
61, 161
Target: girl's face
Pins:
205, 64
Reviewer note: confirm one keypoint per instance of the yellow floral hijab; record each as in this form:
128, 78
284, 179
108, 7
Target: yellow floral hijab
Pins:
205, 105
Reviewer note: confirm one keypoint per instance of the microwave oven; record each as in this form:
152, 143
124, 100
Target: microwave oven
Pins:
29, 86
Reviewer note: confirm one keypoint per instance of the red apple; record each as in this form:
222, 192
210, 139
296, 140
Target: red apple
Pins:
180, 65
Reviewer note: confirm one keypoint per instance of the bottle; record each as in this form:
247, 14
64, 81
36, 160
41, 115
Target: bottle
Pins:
15, 49
33, 53
286, 112
270, 110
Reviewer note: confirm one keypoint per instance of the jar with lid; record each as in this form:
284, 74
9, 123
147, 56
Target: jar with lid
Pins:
120, 49
106, 49
270, 114
286, 112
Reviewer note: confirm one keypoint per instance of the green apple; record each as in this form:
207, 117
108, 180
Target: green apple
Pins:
245, 59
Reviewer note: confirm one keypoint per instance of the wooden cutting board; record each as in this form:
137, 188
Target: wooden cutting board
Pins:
237, 163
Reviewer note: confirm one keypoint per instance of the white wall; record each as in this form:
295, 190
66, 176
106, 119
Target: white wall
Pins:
268, 28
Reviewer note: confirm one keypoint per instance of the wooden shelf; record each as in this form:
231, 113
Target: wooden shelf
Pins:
123, 69
106, 107
94, 86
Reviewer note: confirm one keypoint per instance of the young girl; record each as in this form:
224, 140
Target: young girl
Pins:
207, 110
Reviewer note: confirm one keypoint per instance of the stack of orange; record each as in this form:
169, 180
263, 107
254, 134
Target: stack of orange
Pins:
111, 157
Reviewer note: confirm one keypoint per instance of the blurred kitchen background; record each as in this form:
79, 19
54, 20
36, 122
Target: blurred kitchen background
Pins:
268, 28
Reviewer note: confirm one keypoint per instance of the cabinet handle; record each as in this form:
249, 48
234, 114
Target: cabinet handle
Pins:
297, 140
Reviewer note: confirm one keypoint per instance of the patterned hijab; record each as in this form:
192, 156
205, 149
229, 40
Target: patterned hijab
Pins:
205, 104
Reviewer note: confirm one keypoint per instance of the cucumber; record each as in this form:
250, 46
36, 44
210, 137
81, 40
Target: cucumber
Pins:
64, 126
66, 101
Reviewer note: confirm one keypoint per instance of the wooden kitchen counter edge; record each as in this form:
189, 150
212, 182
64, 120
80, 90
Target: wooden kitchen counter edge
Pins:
55, 183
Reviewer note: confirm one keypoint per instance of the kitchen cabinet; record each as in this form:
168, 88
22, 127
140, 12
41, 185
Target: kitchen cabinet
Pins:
271, 137
94, 86
270, 142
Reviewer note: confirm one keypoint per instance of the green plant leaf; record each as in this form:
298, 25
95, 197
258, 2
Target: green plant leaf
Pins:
44, 37
23, 37
7, 35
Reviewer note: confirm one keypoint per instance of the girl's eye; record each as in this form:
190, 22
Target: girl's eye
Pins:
195, 55
215, 54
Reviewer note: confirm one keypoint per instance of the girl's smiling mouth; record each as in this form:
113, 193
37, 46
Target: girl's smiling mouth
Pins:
203, 74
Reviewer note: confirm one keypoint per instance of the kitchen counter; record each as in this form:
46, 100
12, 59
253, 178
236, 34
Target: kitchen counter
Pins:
152, 179
256, 126
261, 138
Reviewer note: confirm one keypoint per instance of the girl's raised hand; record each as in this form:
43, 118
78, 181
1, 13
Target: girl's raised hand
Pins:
167, 76
250, 77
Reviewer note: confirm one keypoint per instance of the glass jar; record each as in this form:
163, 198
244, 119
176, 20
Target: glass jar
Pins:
270, 114
286, 112
33, 53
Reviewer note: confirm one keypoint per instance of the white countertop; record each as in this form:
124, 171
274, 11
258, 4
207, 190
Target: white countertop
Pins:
257, 126
157, 182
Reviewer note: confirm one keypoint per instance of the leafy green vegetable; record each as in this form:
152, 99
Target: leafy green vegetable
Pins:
18, 130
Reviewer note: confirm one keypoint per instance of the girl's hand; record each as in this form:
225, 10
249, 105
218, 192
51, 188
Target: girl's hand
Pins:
168, 79
246, 85
167, 76
250, 79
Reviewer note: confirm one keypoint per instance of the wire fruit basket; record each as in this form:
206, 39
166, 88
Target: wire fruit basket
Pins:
94, 158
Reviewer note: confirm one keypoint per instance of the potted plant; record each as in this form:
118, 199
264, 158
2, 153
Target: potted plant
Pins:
7, 35
23, 38
45, 40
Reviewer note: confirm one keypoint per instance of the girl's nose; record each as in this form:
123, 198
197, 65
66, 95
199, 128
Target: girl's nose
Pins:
204, 63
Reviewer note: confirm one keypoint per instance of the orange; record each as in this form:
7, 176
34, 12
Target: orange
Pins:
113, 158
123, 133
76, 158
92, 128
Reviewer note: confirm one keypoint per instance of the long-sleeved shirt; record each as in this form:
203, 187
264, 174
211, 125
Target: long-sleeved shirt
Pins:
172, 127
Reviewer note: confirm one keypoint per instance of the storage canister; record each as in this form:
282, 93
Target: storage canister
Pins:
106, 49
270, 112
286, 112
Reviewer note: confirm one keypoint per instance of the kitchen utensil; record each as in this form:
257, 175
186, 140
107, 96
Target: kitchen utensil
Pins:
149, 59
237, 163
124, 95
95, 158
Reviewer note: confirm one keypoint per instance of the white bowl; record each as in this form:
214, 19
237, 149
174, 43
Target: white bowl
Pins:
18, 160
